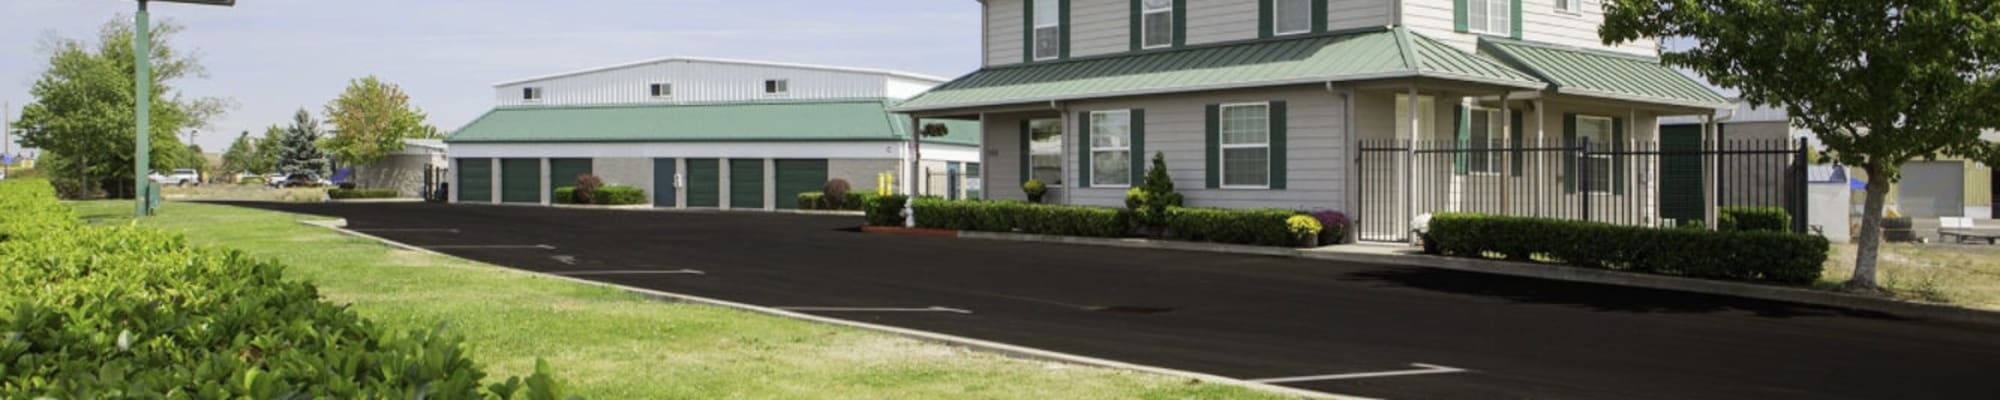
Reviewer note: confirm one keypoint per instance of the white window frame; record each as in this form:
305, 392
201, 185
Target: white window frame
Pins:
1609, 168
1278, 15
1574, 7
777, 87
660, 90
1487, 8
1091, 135
532, 94
1035, 32
1222, 154
1062, 145
1145, 31
1496, 136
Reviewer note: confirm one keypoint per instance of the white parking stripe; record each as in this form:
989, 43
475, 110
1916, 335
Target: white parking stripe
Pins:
878, 309
446, 230
491, 246
632, 272
1422, 369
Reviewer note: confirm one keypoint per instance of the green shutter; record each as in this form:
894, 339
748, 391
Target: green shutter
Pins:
1569, 167
1180, 23
1458, 18
1083, 158
1214, 148
1138, 146
1062, 23
1514, 138
1319, 15
1515, 18
1138, 22
1027, 163
1267, 10
1462, 139
1618, 160
1279, 124
475, 180
1028, 30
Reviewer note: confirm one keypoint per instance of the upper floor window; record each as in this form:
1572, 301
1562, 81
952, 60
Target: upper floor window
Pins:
1490, 16
1110, 148
1048, 29
663, 90
1571, 6
1291, 16
1158, 18
531, 93
777, 86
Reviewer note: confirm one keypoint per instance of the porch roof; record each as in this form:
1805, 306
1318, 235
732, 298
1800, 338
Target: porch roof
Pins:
1594, 73
1374, 53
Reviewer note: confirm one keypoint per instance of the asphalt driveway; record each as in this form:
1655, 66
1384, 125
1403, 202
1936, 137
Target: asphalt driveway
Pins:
1358, 329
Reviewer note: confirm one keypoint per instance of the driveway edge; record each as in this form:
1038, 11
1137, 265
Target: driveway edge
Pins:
340, 225
1550, 272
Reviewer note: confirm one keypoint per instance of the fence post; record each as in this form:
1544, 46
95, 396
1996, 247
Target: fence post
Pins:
1799, 191
1583, 174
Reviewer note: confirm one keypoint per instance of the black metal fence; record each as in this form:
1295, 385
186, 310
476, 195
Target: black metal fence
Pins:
1660, 184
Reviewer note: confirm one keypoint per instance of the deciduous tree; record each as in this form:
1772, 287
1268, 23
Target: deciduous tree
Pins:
370, 120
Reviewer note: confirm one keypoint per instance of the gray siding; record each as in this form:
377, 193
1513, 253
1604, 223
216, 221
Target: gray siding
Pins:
1221, 21
1353, 14
1003, 32
403, 172
1003, 158
860, 173
1100, 27
625, 171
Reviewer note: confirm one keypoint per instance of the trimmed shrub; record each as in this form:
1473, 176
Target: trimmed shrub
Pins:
341, 194
1264, 227
1034, 189
1754, 256
564, 195
586, 188
131, 312
1022, 217
812, 201
619, 195
1743, 218
886, 210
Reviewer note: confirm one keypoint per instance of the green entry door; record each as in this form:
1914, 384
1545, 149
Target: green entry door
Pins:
704, 182
563, 172
521, 180
798, 176
746, 183
475, 180
664, 191
1680, 174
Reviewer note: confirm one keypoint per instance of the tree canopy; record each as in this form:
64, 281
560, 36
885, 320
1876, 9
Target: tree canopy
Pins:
1880, 82
370, 120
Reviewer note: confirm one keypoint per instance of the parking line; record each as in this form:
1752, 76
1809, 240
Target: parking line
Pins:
878, 309
446, 230
631, 272
1422, 369
492, 246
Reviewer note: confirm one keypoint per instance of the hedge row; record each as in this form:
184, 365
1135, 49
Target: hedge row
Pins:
340, 194
1754, 256
1264, 227
610, 195
129, 312
1742, 218
1022, 217
818, 201
884, 210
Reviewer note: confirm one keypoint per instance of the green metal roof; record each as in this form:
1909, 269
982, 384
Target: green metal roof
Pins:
836, 120
1603, 74
1371, 54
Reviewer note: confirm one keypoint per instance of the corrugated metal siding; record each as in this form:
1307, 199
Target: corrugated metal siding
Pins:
695, 82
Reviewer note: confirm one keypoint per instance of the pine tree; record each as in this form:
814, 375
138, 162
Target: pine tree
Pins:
301, 153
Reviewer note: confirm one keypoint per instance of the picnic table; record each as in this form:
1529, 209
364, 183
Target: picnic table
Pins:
1960, 229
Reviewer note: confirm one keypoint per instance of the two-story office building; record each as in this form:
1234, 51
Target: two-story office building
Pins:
704, 133
1314, 104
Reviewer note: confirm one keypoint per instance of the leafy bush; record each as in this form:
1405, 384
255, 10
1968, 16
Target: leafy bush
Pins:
131, 312
1023, 217
1265, 227
586, 188
1743, 218
1034, 189
835, 194
1149, 202
812, 201
1335, 226
619, 195
886, 210
1756, 256
339, 194
564, 195
1303, 225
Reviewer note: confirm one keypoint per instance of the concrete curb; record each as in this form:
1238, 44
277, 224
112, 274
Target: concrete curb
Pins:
650, 208
339, 225
603, 207
1551, 272
368, 201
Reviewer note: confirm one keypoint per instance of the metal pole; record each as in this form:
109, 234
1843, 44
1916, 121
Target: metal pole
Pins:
6, 138
1410, 164
143, 84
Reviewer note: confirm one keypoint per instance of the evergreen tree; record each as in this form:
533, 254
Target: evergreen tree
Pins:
300, 153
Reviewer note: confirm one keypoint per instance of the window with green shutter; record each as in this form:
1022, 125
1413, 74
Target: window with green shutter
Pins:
1245, 145
1109, 153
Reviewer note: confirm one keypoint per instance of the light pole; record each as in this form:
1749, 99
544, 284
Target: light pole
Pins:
142, 52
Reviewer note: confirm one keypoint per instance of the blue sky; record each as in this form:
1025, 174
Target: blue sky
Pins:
274, 56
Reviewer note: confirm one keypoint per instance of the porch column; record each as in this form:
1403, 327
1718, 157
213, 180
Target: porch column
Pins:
1506, 133
1711, 176
1541, 184
1410, 163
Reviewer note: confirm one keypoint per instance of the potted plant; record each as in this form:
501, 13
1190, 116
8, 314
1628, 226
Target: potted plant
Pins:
1305, 230
1333, 227
1035, 189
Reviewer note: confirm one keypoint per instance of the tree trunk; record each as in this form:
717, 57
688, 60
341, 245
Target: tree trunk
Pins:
1871, 229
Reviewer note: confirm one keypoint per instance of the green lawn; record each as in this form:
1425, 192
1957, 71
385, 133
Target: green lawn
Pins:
1962, 275
612, 345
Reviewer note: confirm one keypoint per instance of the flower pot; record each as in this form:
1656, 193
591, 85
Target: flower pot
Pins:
1331, 237
1306, 239
1035, 198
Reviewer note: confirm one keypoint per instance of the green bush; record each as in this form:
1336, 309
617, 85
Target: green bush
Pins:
1264, 227
1022, 217
564, 195
1743, 218
820, 201
339, 194
885, 210
619, 195
812, 201
1755, 256
129, 312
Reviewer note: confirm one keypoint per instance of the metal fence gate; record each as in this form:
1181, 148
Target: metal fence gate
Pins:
1657, 184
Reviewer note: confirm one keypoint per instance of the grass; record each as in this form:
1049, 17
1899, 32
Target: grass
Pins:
613, 345
225, 191
1961, 275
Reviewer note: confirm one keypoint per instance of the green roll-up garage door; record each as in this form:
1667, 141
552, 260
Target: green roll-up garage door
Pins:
664, 191
521, 180
704, 182
563, 172
475, 180
1681, 190
798, 176
746, 183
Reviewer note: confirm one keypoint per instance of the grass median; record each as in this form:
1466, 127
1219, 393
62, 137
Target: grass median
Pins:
614, 345
1965, 275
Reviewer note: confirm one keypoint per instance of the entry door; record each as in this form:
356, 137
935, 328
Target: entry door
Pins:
798, 176
1681, 191
521, 180
704, 182
664, 192
951, 171
746, 183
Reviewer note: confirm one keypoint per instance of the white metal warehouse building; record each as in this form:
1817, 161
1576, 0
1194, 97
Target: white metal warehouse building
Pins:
705, 133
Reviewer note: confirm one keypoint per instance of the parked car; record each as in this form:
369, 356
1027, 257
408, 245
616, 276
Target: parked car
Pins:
273, 179
302, 180
179, 177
